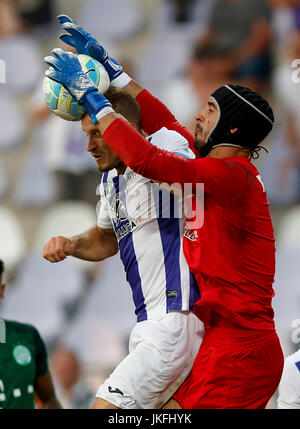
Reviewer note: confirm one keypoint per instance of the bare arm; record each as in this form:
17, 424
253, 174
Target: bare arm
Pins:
133, 88
94, 245
45, 392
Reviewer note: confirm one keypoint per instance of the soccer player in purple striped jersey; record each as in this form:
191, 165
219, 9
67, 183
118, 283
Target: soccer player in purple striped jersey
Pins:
144, 222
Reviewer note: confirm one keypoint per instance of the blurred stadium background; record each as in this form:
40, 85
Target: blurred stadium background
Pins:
48, 182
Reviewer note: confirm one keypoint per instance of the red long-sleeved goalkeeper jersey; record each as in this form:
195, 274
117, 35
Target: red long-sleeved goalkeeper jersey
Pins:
233, 254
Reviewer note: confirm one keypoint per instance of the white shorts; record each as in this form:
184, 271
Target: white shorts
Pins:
161, 355
289, 387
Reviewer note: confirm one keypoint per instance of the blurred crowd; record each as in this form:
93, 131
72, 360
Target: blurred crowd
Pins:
180, 50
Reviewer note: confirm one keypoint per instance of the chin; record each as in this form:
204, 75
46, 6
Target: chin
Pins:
102, 166
198, 144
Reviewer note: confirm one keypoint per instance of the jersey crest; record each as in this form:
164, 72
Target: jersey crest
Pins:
22, 355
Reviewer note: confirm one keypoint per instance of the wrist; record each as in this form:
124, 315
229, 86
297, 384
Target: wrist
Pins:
105, 111
96, 105
70, 246
122, 80
117, 76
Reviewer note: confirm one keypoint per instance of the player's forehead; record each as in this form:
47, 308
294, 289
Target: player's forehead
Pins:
87, 124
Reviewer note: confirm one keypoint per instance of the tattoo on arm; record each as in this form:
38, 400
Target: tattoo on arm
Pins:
108, 232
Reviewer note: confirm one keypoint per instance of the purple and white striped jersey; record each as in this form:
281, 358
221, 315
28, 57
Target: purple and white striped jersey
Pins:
148, 222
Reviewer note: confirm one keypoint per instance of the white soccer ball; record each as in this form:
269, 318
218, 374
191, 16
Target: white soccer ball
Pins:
61, 102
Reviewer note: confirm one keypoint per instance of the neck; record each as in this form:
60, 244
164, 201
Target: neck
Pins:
121, 168
228, 152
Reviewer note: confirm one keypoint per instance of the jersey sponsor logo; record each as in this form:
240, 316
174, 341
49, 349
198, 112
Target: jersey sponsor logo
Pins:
131, 176
119, 217
172, 293
123, 225
123, 230
116, 390
22, 355
190, 234
119, 212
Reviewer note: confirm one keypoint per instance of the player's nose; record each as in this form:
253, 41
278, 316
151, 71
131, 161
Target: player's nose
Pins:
199, 116
90, 144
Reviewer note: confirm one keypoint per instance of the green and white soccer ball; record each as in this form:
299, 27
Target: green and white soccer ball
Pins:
59, 100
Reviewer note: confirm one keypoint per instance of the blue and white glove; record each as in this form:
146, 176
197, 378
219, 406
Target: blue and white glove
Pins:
66, 69
86, 44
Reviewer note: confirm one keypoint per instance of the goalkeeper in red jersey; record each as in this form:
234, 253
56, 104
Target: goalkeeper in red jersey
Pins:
232, 256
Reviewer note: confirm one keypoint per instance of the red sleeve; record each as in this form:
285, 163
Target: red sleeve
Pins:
156, 115
219, 176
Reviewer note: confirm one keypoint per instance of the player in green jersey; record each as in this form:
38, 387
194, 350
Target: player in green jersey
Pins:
24, 371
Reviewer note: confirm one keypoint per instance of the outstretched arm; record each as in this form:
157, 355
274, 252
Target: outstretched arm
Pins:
155, 114
131, 147
145, 158
94, 245
134, 150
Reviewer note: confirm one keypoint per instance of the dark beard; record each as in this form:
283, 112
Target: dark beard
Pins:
202, 147
198, 145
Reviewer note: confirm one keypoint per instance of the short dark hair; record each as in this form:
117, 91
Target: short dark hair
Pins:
1, 268
123, 103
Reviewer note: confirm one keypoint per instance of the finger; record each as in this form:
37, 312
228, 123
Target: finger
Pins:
48, 256
64, 18
53, 259
60, 54
54, 74
59, 257
46, 251
64, 56
56, 258
73, 26
52, 62
59, 253
68, 39
77, 32
50, 259
56, 250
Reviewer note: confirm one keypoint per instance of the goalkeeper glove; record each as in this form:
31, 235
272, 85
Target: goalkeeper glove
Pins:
86, 44
66, 69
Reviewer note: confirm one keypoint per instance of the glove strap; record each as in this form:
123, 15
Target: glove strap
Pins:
96, 105
105, 111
